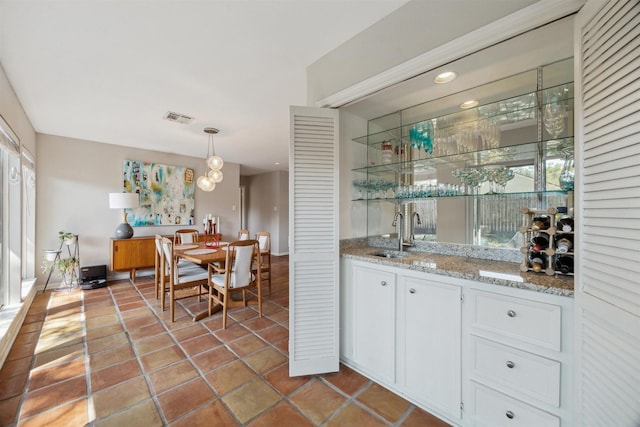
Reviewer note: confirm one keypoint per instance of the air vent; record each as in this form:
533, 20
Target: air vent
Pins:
177, 117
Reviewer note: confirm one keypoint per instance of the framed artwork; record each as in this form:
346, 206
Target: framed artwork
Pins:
167, 193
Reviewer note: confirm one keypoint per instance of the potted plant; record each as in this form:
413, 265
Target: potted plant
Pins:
67, 238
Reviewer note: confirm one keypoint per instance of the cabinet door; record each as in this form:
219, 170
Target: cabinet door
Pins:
430, 336
374, 317
132, 253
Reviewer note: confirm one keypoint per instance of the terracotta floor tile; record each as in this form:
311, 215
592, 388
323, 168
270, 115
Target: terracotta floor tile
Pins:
110, 357
161, 358
114, 374
108, 342
101, 321
15, 367
274, 334
283, 414
251, 399
347, 380
22, 350
214, 322
352, 415
47, 376
58, 356
269, 309
189, 332
57, 343
13, 386
420, 418
258, 323
144, 414
280, 317
147, 331
30, 327
265, 360
104, 331
172, 375
129, 314
120, 396
8, 410
243, 314
40, 400
230, 376
281, 381
317, 401
71, 414
210, 415
247, 345
27, 338
147, 345
213, 359
383, 402
283, 346
232, 333
180, 400
138, 322
200, 344
93, 312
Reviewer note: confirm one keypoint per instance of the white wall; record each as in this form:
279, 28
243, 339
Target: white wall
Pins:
74, 178
267, 197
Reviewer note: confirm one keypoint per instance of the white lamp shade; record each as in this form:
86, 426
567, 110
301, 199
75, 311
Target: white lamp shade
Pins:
206, 184
123, 200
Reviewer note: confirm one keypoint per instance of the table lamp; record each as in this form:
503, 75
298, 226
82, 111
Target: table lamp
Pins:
124, 201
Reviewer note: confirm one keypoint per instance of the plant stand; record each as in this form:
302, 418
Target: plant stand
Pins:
70, 278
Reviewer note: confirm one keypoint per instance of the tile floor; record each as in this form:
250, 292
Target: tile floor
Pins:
112, 357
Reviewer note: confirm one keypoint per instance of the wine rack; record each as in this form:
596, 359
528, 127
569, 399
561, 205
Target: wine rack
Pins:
553, 234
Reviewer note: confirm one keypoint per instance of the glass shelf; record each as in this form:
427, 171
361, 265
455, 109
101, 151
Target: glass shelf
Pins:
520, 194
512, 111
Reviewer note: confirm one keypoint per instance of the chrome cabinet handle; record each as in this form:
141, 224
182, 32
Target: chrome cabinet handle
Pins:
412, 291
510, 364
510, 415
511, 313
383, 283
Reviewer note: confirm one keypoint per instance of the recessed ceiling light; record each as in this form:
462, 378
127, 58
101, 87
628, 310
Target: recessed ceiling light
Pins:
445, 77
469, 104
276, 163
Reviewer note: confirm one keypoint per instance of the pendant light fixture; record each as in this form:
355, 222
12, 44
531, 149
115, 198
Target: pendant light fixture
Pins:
208, 181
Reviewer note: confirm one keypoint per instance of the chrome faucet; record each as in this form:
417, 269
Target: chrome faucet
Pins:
395, 224
414, 216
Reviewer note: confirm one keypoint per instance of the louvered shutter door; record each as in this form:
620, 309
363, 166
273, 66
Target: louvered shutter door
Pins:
313, 241
608, 241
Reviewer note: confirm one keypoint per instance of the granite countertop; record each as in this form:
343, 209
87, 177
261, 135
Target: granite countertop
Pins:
482, 270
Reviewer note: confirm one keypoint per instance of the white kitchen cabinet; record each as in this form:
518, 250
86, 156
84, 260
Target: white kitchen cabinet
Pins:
374, 322
519, 358
429, 330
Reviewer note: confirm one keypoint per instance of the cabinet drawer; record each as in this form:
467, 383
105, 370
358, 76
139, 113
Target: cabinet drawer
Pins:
493, 409
529, 374
524, 320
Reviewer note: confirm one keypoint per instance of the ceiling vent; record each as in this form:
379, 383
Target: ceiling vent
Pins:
177, 117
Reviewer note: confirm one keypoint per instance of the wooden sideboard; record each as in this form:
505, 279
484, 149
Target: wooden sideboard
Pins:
133, 254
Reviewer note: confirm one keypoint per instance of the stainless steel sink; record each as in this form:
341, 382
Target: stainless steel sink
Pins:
390, 254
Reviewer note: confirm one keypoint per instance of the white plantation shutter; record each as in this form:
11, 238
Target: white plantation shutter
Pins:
608, 226
314, 246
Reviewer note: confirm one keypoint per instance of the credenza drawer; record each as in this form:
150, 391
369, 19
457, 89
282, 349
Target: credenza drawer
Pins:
528, 374
523, 320
493, 409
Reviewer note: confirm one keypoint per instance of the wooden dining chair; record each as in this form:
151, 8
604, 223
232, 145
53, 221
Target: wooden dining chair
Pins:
189, 278
185, 236
236, 277
264, 242
243, 234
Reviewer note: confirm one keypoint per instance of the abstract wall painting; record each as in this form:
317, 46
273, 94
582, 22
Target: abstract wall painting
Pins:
167, 193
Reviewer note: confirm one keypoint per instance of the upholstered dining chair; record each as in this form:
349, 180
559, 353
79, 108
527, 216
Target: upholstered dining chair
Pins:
236, 277
185, 236
243, 234
264, 242
185, 281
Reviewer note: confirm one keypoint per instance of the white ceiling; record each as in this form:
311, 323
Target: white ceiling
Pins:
108, 71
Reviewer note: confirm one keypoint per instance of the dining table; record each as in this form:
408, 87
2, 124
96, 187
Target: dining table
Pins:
202, 254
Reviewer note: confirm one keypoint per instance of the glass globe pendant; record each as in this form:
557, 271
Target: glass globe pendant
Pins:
215, 175
205, 184
208, 181
215, 162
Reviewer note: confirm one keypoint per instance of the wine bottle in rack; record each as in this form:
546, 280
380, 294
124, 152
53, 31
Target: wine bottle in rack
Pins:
564, 264
537, 261
565, 224
540, 222
564, 243
540, 242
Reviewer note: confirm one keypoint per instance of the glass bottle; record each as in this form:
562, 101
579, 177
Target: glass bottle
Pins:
564, 264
